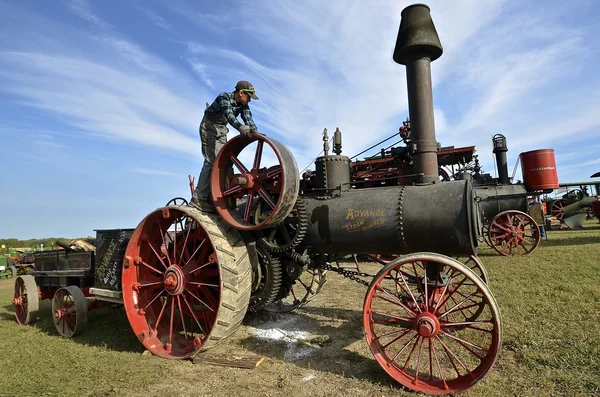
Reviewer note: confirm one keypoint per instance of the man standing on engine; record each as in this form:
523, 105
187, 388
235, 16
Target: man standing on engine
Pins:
213, 134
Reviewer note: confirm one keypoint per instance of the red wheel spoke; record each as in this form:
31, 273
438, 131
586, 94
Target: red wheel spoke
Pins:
155, 298
401, 332
444, 290
412, 351
233, 190
162, 311
157, 255
407, 289
267, 197
162, 235
404, 347
200, 300
248, 206
502, 227
194, 316
181, 316
458, 305
152, 268
184, 248
174, 244
452, 357
430, 360
394, 300
239, 164
258, 155
466, 344
171, 323
195, 252
442, 375
452, 293
390, 316
201, 267
151, 284
467, 323
68, 318
419, 358
203, 284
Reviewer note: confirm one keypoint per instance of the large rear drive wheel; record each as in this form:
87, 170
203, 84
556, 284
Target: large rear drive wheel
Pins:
186, 281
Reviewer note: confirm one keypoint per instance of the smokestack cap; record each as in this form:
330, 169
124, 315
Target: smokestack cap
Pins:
417, 35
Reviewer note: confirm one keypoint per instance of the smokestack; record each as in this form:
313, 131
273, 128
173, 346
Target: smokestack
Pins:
417, 46
500, 150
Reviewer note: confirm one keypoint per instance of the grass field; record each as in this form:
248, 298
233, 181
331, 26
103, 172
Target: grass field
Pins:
550, 305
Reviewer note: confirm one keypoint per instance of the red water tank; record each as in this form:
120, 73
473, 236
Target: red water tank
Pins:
539, 170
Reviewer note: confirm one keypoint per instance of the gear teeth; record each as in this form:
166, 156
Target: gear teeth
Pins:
271, 270
301, 230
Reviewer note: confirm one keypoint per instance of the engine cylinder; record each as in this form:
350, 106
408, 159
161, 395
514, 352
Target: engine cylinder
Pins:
496, 199
395, 220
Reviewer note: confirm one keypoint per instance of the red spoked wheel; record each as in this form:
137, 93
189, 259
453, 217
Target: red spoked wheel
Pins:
247, 195
438, 334
70, 311
514, 233
26, 299
186, 281
558, 210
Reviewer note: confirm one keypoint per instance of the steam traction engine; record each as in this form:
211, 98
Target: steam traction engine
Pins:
432, 323
507, 220
189, 277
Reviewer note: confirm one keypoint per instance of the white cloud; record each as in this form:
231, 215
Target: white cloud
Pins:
83, 9
110, 103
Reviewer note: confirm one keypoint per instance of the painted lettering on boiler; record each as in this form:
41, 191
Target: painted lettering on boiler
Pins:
354, 213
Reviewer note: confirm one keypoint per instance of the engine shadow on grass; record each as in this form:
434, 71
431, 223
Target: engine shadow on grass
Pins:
107, 327
325, 348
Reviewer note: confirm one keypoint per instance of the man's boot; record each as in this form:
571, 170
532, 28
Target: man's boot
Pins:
202, 205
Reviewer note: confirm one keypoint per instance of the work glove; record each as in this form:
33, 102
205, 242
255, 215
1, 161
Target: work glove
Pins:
245, 130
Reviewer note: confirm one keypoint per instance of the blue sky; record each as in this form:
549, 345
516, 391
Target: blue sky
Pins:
100, 101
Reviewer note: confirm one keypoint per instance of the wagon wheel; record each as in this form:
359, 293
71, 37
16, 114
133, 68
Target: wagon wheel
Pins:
237, 194
13, 271
476, 265
177, 201
70, 311
514, 233
26, 300
558, 210
186, 281
296, 293
425, 337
